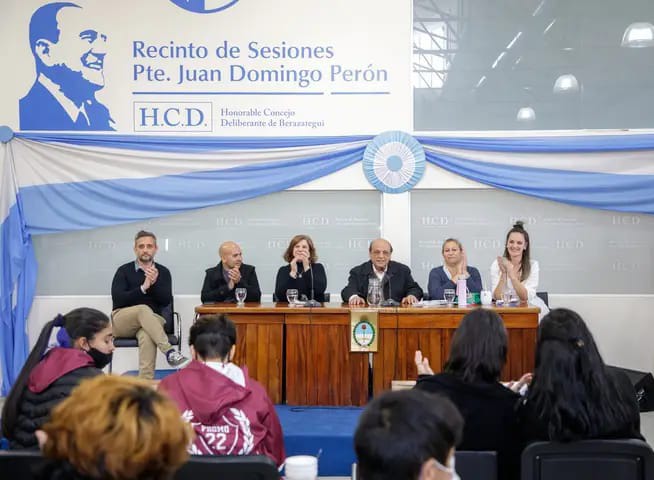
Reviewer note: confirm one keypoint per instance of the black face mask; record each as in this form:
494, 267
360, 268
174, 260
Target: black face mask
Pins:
101, 359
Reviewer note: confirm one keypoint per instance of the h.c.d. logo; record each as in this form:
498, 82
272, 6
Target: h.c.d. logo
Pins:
204, 6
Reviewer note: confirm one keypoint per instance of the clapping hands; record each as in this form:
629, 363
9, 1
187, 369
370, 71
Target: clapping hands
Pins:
463, 265
234, 275
517, 385
303, 257
505, 265
422, 364
151, 276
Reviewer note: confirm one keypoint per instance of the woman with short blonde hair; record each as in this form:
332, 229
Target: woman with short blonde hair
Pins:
455, 266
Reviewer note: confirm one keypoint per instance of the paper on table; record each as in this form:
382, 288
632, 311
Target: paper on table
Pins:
430, 303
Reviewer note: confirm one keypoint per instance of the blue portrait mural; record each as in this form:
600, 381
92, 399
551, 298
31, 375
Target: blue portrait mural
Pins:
204, 6
69, 55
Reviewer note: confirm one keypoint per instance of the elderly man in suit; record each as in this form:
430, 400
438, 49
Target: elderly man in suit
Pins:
398, 286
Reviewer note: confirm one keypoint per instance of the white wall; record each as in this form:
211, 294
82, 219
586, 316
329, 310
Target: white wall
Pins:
621, 324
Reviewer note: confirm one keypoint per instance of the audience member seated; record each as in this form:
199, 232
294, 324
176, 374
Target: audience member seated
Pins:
86, 346
573, 396
221, 281
407, 435
230, 412
471, 381
395, 279
114, 428
302, 273
455, 266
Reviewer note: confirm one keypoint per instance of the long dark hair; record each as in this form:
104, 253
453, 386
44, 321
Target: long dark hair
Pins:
572, 391
479, 347
525, 264
78, 323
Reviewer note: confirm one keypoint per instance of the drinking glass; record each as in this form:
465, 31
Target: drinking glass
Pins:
291, 296
448, 295
507, 295
515, 299
241, 293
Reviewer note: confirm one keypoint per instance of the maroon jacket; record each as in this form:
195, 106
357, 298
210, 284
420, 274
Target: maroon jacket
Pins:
55, 364
50, 382
228, 419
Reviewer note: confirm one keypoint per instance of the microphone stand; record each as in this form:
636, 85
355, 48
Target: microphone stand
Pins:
312, 302
389, 302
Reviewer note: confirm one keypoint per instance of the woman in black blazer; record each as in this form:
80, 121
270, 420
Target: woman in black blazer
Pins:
302, 273
471, 379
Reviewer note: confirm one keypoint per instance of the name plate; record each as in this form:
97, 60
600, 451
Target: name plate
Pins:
363, 330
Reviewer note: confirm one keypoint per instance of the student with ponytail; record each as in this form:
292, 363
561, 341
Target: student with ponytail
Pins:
85, 347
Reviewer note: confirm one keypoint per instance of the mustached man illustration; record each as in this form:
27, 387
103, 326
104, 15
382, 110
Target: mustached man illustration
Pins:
69, 55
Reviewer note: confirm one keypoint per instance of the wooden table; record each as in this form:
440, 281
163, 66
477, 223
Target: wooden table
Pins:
302, 355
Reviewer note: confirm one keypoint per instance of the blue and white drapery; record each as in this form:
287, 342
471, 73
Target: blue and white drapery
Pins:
17, 273
58, 182
75, 183
610, 172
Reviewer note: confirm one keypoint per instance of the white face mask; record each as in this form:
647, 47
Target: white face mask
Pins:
448, 469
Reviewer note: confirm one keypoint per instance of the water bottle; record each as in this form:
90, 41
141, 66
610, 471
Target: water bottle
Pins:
486, 297
462, 292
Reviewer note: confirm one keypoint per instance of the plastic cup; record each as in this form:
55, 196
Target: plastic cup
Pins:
301, 467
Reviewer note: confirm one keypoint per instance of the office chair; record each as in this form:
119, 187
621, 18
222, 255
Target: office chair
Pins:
629, 459
480, 465
172, 327
544, 297
25, 464
20, 464
242, 467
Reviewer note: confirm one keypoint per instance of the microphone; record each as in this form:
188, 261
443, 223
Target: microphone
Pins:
312, 302
389, 302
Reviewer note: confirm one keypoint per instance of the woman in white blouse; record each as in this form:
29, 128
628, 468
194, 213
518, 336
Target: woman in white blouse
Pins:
515, 270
